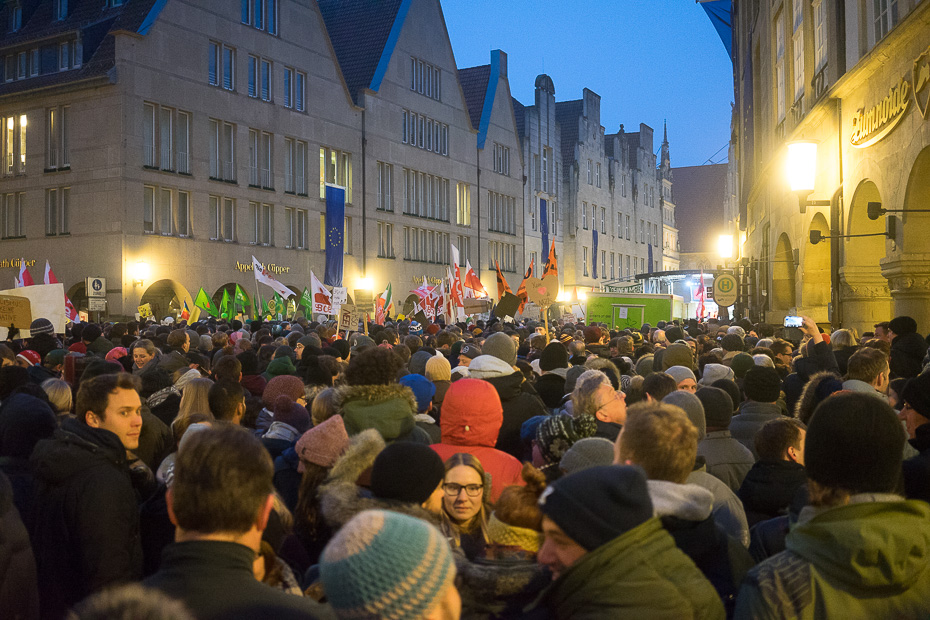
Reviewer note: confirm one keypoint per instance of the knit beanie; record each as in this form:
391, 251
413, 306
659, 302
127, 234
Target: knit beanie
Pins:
680, 373
438, 369
41, 326
674, 333
718, 407
288, 412
592, 334
586, 453
902, 325
596, 505
916, 393
714, 372
644, 366
406, 472
732, 389
386, 565
556, 434
342, 347
571, 377
418, 361
854, 442
692, 407
555, 355
423, 389
501, 346
115, 353
30, 357
677, 355
470, 350
322, 444
56, 356
288, 385
741, 363
249, 362
762, 384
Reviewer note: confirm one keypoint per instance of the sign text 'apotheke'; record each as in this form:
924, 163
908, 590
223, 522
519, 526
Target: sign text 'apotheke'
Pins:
276, 269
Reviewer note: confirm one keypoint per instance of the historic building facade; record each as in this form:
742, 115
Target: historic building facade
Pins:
854, 79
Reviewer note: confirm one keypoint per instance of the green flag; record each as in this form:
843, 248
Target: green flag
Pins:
205, 303
306, 300
240, 299
224, 305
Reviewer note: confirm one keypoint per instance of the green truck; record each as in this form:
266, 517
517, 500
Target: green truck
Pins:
623, 310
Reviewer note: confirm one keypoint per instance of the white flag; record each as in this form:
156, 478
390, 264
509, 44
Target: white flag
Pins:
322, 298
262, 275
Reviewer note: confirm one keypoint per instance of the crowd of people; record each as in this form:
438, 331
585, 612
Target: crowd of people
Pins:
481, 470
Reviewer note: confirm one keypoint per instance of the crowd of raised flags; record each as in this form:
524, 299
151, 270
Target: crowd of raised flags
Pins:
25, 279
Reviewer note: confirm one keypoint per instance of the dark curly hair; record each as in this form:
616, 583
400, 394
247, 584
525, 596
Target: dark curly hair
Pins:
374, 366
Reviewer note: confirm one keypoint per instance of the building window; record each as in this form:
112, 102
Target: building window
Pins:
501, 213
779, 67
597, 175
584, 260
57, 210
262, 14
603, 221
797, 41
335, 169
57, 147
590, 175
886, 17
261, 156
627, 227
229, 68
623, 185
295, 166
642, 231
424, 133
16, 17
425, 79
463, 204
533, 219
385, 187
584, 215
300, 88
501, 156
820, 34
166, 137
545, 170
385, 240
612, 276
13, 142
288, 87
260, 78
553, 218
464, 245
262, 223
221, 69
167, 212
222, 151
184, 214
61, 9
603, 264
222, 219
295, 229
426, 195
13, 215
148, 209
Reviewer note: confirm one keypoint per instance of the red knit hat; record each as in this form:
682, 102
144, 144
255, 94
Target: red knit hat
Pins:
323, 444
288, 385
31, 357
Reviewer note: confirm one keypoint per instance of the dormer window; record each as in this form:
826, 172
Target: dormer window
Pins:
61, 9
16, 17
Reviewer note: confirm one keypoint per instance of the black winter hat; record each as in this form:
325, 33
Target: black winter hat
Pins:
731, 388
406, 472
854, 442
903, 325
916, 393
762, 384
718, 407
555, 355
41, 326
249, 362
24, 420
596, 505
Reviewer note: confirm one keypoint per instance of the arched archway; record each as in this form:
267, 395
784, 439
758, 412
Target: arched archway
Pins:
863, 289
167, 298
783, 272
234, 308
78, 296
815, 275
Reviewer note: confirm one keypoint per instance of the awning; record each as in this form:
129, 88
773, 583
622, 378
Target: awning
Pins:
720, 14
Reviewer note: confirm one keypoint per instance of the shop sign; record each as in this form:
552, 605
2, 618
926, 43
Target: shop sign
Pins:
275, 269
15, 263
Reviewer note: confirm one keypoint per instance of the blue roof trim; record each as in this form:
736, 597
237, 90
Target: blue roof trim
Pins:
149, 20
388, 50
489, 98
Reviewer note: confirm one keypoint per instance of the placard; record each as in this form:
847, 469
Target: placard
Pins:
145, 311
348, 318
15, 312
340, 295
364, 301
47, 301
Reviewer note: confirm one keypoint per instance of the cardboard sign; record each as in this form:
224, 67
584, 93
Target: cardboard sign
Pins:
340, 295
476, 306
364, 301
15, 312
348, 318
145, 311
507, 306
543, 292
47, 301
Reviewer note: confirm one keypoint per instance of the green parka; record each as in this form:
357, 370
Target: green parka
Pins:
863, 560
640, 574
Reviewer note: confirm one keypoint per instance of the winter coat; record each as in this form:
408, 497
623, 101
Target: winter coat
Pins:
279, 366
639, 574
155, 440
173, 361
842, 358
499, 587
751, 418
19, 590
855, 385
442, 386
917, 469
769, 488
726, 458
867, 559
38, 373
278, 438
907, 355
519, 400
551, 389
100, 346
685, 512
607, 430
388, 408
819, 357
86, 530
728, 510
286, 477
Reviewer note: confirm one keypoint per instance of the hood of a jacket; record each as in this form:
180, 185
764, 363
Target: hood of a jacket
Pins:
508, 386
74, 448
387, 408
472, 414
912, 344
872, 548
488, 367
688, 502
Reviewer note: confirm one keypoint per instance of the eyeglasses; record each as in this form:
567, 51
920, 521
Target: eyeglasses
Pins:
471, 490
617, 396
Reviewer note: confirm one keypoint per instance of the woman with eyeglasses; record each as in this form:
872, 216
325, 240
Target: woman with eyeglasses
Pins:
465, 506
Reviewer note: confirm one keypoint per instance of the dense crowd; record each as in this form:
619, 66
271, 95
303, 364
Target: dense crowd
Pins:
480, 470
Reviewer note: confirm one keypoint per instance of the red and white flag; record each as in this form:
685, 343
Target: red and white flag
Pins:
322, 298
458, 295
265, 277
25, 278
701, 310
473, 283
71, 312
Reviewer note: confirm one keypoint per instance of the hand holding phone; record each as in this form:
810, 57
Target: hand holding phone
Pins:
794, 321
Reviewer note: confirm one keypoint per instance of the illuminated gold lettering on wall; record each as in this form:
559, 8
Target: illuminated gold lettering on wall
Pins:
871, 125
275, 269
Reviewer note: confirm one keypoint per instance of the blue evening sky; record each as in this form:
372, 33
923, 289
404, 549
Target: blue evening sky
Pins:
649, 60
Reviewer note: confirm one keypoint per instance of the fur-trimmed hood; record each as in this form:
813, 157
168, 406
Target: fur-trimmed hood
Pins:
387, 408
498, 587
341, 498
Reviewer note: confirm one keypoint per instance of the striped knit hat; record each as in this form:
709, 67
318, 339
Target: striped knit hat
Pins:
384, 564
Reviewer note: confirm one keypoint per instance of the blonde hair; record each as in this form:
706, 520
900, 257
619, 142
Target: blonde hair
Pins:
323, 406
480, 521
661, 439
59, 395
194, 397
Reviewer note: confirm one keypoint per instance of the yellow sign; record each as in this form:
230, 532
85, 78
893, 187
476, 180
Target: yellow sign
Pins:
276, 269
870, 126
15, 262
15, 311
145, 311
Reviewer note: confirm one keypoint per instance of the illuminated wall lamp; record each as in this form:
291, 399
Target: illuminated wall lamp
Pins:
801, 169
140, 273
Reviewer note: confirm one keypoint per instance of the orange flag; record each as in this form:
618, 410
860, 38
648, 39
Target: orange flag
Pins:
552, 263
502, 286
521, 292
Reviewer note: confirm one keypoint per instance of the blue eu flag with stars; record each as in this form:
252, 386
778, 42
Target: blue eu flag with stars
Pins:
335, 227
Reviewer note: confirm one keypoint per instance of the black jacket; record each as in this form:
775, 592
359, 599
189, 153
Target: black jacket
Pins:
917, 469
215, 580
86, 530
520, 403
769, 488
19, 593
551, 389
907, 355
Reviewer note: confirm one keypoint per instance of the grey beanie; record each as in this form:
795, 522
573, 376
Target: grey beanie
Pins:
501, 346
587, 452
571, 376
714, 372
692, 406
680, 373
417, 363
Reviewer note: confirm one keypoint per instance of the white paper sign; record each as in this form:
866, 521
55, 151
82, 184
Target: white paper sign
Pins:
622, 312
340, 295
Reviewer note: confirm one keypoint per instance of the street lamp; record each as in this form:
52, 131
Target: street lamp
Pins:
725, 246
140, 273
801, 169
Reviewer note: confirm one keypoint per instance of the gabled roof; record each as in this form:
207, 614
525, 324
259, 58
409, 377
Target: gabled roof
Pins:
474, 81
519, 115
96, 24
363, 33
567, 114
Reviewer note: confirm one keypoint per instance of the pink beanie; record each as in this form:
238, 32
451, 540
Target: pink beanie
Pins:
323, 444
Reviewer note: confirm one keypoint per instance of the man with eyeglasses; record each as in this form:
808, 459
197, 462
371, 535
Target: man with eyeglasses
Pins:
595, 396
916, 416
